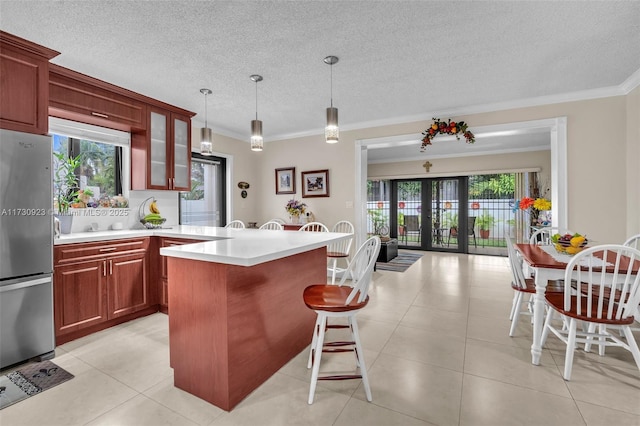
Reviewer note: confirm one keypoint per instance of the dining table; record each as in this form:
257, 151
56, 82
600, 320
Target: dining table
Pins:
548, 265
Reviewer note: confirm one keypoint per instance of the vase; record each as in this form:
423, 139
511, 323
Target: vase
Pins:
295, 220
66, 220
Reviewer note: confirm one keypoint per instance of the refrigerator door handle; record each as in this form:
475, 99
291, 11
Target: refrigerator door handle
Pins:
24, 284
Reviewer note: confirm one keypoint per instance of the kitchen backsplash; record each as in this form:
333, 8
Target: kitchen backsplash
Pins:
167, 202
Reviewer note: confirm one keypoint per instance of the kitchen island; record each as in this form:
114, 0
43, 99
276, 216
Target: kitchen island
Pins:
237, 314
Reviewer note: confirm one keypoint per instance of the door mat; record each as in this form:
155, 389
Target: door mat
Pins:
399, 263
30, 380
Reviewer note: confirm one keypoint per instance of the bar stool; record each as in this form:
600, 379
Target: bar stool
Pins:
336, 301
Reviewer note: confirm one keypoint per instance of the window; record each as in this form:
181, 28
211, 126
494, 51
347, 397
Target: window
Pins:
103, 157
205, 203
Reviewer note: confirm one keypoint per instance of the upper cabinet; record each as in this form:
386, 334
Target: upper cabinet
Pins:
161, 157
24, 84
78, 97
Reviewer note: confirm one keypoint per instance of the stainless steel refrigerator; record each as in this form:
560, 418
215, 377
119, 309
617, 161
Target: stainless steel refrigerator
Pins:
26, 248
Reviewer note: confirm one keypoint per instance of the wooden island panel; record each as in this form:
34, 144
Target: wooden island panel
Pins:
232, 327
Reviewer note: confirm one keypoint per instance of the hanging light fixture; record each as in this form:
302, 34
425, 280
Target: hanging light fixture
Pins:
331, 132
256, 125
206, 134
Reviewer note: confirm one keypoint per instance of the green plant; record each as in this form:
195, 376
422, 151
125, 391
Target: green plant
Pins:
379, 222
65, 180
400, 219
485, 221
450, 220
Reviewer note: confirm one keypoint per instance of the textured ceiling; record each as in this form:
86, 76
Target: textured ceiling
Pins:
399, 60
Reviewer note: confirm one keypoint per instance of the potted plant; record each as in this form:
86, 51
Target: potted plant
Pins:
451, 222
65, 186
485, 222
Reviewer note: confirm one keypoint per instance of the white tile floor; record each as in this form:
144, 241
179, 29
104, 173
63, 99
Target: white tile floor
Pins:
436, 343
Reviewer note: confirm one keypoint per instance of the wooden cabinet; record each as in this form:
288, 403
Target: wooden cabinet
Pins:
24, 77
161, 158
78, 97
95, 283
162, 282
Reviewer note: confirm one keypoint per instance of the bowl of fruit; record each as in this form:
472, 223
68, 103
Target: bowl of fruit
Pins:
569, 243
151, 220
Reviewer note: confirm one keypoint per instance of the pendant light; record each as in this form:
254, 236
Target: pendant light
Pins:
331, 132
256, 125
206, 134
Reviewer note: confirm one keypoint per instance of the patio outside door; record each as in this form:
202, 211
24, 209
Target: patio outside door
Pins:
427, 215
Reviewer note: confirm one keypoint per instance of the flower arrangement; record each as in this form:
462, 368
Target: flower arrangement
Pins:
534, 206
449, 128
295, 207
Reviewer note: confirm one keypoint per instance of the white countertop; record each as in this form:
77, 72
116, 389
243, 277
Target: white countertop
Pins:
244, 247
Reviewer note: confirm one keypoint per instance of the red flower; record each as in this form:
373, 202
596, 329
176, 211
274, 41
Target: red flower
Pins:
525, 203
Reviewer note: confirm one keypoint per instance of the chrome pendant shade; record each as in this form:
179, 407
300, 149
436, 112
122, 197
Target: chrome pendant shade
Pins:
206, 134
331, 131
256, 125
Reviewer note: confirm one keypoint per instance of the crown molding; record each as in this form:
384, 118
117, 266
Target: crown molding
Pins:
604, 92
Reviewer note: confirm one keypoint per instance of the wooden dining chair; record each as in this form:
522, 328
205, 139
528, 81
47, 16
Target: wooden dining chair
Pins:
340, 250
235, 224
314, 227
633, 241
272, 225
342, 301
594, 305
523, 287
543, 236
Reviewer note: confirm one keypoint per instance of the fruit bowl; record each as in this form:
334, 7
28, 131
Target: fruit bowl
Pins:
152, 220
569, 244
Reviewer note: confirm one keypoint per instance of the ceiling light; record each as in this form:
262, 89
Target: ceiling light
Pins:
331, 132
256, 125
206, 134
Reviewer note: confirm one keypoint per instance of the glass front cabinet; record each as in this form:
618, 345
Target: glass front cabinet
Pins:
167, 148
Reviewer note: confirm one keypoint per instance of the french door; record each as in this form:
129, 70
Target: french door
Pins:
426, 214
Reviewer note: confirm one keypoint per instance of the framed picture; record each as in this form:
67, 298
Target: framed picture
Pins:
286, 180
315, 183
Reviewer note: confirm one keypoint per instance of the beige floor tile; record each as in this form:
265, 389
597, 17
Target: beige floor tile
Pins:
430, 347
447, 323
141, 411
498, 309
183, 403
374, 334
419, 390
366, 413
442, 302
382, 310
282, 400
74, 402
597, 415
510, 364
496, 330
491, 403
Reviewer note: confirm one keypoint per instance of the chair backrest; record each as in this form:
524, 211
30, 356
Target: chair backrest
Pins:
277, 219
237, 224
360, 269
515, 261
272, 225
634, 242
542, 236
314, 227
412, 223
471, 224
343, 246
613, 295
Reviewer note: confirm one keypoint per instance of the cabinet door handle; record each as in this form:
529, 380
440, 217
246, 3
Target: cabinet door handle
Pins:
111, 267
102, 250
97, 114
104, 268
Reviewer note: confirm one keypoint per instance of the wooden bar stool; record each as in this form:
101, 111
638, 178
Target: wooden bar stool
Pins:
336, 301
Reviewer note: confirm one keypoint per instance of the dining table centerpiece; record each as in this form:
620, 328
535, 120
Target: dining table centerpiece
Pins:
295, 208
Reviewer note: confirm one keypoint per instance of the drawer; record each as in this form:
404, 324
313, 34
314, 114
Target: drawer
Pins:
67, 253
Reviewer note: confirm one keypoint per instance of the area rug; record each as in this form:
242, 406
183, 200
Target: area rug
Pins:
399, 263
30, 380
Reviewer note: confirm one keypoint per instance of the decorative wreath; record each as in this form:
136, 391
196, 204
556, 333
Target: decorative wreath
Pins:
449, 128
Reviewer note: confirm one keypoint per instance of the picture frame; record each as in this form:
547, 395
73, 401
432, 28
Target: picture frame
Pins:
315, 183
286, 180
